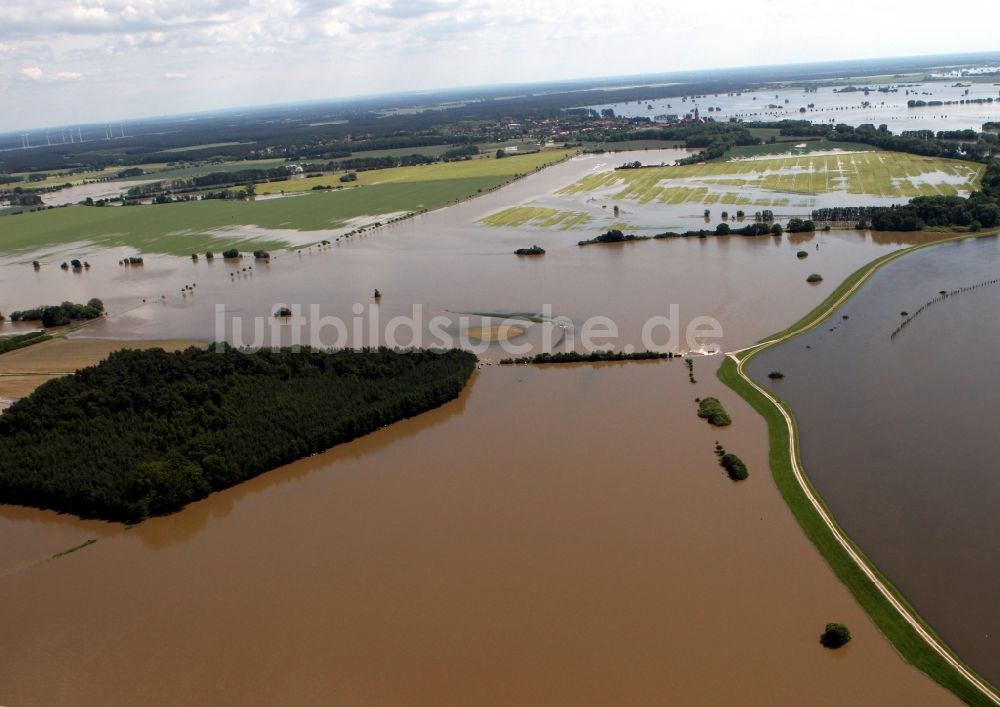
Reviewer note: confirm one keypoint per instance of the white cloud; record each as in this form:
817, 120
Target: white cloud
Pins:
36, 74
236, 52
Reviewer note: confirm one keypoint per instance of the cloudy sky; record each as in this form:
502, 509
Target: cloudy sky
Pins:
71, 61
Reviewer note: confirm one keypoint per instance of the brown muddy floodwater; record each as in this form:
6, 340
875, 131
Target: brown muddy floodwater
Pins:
590, 551
750, 285
899, 434
557, 535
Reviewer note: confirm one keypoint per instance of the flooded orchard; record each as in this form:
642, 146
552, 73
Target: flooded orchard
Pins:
898, 432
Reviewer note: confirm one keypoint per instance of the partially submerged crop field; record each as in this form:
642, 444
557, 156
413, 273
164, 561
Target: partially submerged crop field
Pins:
663, 195
874, 173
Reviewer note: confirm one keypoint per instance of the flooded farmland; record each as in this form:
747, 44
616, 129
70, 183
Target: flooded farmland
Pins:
557, 535
450, 266
898, 434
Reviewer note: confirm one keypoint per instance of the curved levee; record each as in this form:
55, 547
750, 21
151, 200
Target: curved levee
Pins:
896, 618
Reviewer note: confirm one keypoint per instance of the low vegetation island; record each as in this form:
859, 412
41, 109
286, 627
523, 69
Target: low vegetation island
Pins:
711, 409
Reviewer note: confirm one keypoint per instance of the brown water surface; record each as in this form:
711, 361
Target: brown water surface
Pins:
590, 552
555, 536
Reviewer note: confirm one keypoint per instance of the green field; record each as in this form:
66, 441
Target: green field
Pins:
184, 228
57, 179
187, 171
429, 150
770, 181
192, 148
480, 168
536, 216
154, 171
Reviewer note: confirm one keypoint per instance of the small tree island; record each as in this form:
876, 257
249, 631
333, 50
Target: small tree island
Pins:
711, 409
835, 636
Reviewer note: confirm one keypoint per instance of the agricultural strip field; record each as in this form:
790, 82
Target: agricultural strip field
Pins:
23, 370
872, 173
184, 228
537, 216
479, 168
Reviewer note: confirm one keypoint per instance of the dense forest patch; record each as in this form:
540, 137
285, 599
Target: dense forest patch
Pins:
145, 432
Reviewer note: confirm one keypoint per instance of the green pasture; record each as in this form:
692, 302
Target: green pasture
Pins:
480, 168
184, 228
536, 216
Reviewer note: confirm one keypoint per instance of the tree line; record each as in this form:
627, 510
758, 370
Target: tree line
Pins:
19, 341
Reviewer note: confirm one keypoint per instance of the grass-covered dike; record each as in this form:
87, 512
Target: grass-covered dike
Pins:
895, 617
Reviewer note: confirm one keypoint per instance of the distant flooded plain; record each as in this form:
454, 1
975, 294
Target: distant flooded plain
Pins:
899, 432
449, 265
832, 105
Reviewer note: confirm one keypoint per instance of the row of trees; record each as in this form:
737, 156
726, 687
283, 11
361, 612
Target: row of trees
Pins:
19, 341
145, 432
